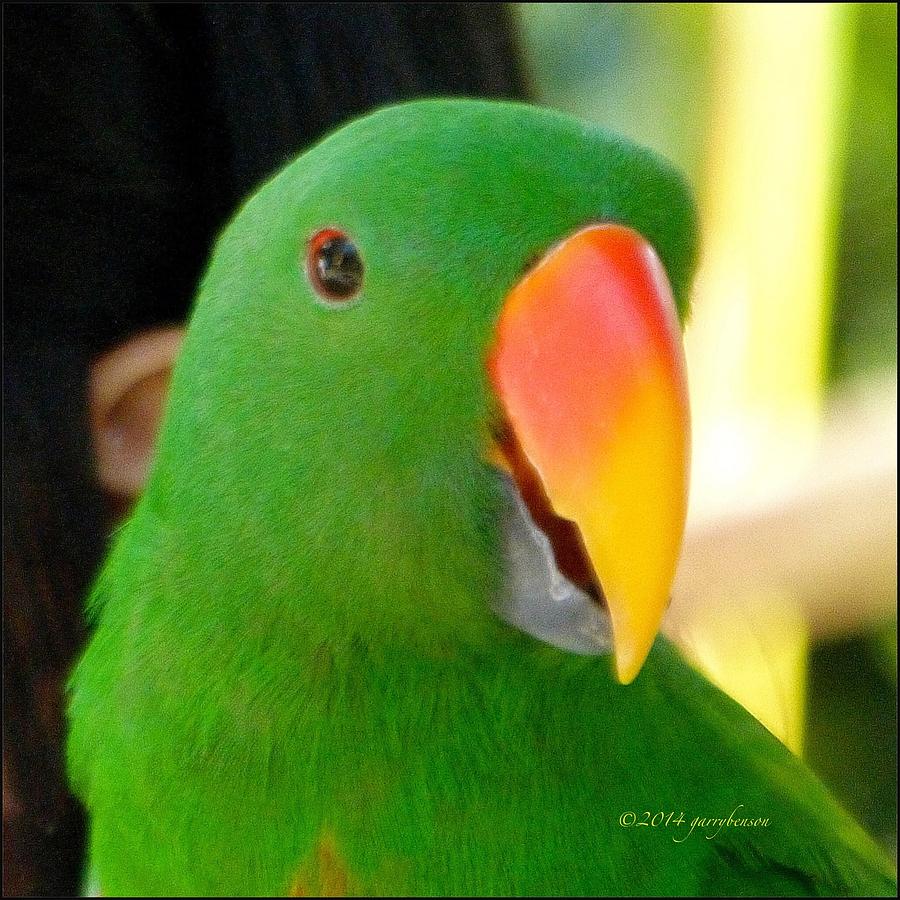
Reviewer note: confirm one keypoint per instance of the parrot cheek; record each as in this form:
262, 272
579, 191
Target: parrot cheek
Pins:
588, 369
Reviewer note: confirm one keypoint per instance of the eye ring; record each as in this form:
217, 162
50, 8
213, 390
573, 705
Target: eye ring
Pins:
334, 267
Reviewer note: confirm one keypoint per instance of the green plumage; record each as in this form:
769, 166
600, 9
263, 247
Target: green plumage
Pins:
296, 680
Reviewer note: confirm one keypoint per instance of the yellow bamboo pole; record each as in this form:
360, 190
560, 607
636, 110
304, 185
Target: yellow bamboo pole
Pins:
756, 343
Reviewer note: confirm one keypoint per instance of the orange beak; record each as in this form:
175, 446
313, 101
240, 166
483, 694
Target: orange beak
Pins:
589, 369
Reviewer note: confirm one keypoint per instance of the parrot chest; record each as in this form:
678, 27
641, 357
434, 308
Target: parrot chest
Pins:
403, 777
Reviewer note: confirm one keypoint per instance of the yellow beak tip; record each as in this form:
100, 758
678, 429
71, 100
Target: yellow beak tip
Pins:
627, 667
631, 652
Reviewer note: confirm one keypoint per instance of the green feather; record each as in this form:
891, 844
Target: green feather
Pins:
296, 680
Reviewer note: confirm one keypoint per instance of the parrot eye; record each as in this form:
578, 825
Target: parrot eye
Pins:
334, 266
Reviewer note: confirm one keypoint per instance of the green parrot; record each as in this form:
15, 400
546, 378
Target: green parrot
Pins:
384, 621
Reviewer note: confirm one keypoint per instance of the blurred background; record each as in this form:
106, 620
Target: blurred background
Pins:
784, 119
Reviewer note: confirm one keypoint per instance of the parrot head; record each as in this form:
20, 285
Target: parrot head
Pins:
434, 373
